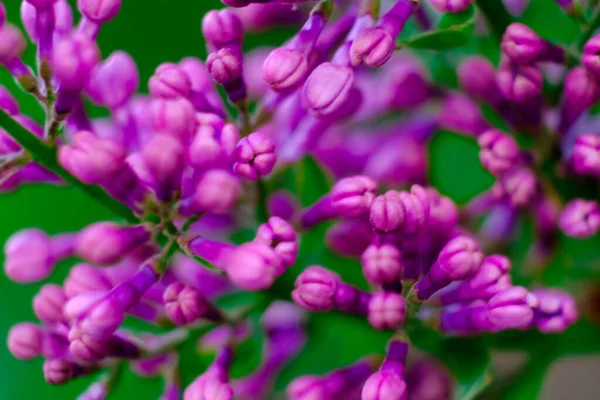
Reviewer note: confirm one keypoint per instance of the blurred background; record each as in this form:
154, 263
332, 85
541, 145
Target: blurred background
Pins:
167, 30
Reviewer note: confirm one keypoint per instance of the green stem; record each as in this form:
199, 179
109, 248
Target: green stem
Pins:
589, 31
46, 156
496, 15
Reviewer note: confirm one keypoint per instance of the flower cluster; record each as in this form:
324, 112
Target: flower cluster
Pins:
184, 168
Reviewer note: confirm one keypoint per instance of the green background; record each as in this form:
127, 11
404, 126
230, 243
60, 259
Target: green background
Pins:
154, 31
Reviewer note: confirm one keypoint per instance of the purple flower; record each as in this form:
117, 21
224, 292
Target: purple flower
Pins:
226, 68
350, 237
8, 103
59, 371
217, 192
315, 289
170, 81
382, 263
185, 304
253, 266
388, 382
476, 75
443, 214
352, 197
327, 89
89, 348
49, 302
585, 157
31, 254
214, 383
580, 218
555, 312
499, 152
519, 186
373, 47
99, 10
524, 46
106, 243
25, 341
285, 69
590, 58
12, 45
511, 309
92, 159
460, 113
280, 235
387, 310
580, 93
114, 80
164, 157
174, 117
459, 259
222, 28
84, 278
401, 211
519, 83
491, 278
255, 156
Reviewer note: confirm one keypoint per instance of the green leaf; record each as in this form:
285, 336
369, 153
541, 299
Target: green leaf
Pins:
312, 182
467, 358
454, 30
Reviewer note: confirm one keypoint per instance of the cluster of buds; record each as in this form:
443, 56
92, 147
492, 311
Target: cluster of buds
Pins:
183, 169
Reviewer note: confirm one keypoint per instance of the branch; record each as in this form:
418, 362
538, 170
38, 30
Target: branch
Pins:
496, 15
46, 156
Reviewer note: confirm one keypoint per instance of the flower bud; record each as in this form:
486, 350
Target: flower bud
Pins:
224, 66
285, 69
520, 186
73, 61
352, 197
12, 44
373, 47
327, 89
429, 380
580, 93
164, 158
387, 213
59, 371
384, 385
585, 157
105, 243
99, 10
519, 83
208, 387
580, 218
443, 213
555, 312
170, 82
315, 289
524, 46
222, 27
185, 304
511, 309
387, 310
280, 235
398, 211
25, 341
382, 263
350, 237
462, 114
49, 302
92, 159
84, 278
205, 150
499, 152
255, 156
451, 6
591, 57
459, 259
253, 267
114, 81
29, 256
217, 192
476, 75
306, 387
175, 117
